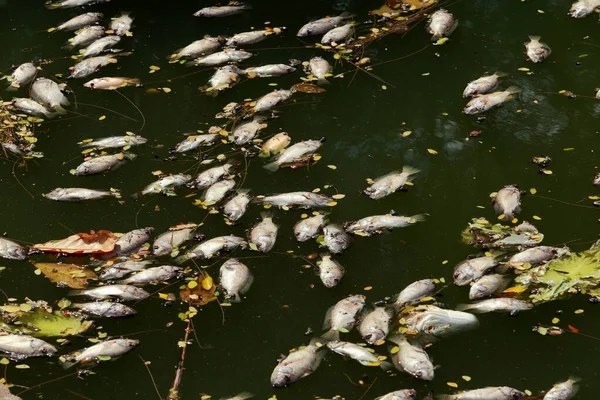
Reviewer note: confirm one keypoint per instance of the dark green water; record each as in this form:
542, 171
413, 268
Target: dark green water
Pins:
362, 123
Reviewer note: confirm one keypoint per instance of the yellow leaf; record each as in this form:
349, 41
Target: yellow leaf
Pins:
166, 90
441, 41
540, 11
466, 378
580, 311
452, 384
207, 283
547, 171
394, 350
406, 133
154, 68
515, 289
555, 321
515, 220
431, 151
316, 157
163, 296
102, 117
192, 284
332, 167
594, 197
537, 218
533, 190
523, 69
368, 288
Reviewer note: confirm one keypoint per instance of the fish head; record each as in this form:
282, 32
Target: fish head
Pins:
306, 30
159, 249
424, 372
334, 344
407, 394
330, 279
462, 276
578, 10
374, 335
282, 376
45, 348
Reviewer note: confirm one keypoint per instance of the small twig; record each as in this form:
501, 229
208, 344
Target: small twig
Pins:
369, 388
174, 391
151, 377
44, 383
18, 181
78, 395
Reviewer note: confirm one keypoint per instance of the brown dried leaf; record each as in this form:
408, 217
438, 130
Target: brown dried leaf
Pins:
71, 275
197, 295
308, 88
82, 243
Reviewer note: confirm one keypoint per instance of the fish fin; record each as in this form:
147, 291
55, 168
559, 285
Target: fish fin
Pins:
68, 364
243, 191
386, 365
346, 15
327, 320
244, 396
322, 82
500, 74
513, 90
466, 307
408, 170
331, 335
266, 214
418, 218
274, 166
534, 38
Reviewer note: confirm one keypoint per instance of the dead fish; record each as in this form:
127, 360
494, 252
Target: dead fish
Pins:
412, 358
235, 278
538, 255
358, 353
297, 365
213, 175
331, 272
275, 144
224, 78
6, 395
155, 274
11, 250
192, 142
335, 238
246, 132
320, 69
85, 36
19, 347
120, 292
115, 141
122, 269
236, 207
441, 24
502, 304
536, 50
296, 199
596, 181
338, 35
131, 241
272, 99
104, 309
309, 228
121, 25
379, 223
79, 21
197, 48
72, 3
471, 270
222, 57
172, 239
22, 75
438, 322
217, 191
487, 393
375, 325
215, 246
32, 107
109, 348
483, 85
48, 93
246, 38
269, 70
342, 316
167, 184
413, 293
390, 183
100, 46
323, 25
581, 8
563, 390
488, 285
100, 164
111, 83
295, 151
80, 194
264, 234
404, 394
222, 11
507, 202
486, 102
93, 64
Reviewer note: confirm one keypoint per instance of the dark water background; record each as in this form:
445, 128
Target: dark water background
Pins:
362, 123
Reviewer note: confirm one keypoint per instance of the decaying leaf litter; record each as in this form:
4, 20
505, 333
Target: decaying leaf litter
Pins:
412, 323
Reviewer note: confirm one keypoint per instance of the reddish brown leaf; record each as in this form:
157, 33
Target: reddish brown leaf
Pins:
573, 329
307, 88
198, 295
83, 243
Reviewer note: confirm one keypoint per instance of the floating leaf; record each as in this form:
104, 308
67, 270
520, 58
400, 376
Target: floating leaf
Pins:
332, 167
44, 324
431, 151
555, 321
338, 196
533, 190
406, 133
154, 68
368, 288
537, 218
580, 311
22, 366
547, 172
102, 118
582, 55
207, 283
441, 41
523, 69
452, 384
70, 275
198, 295
573, 329
466, 378
82, 243
307, 88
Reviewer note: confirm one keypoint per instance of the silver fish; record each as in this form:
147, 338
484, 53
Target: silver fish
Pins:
236, 207
270, 70
116, 141
217, 191
216, 245
536, 50
581, 8
502, 304
414, 292
264, 234
167, 184
335, 238
295, 151
473, 269
222, 11
245, 38
438, 322
131, 241
85, 36
331, 272
507, 201
197, 48
323, 25
155, 274
338, 35
488, 101
488, 285
79, 194
390, 183
172, 239
270, 100
32, 107
222, 57
375, 326
309, 228
48, 93
538, 255
121, 25
104, 309
111, 348
487, 393
22, 75
297, 365
412, 358
224, 78
100, 46
563, 390
342, 316
6, 395
248, 131
11, 250
192, 142
297, 199
483, 85
19, 347
71, 3
441, 24
404, 394
213, 175
121, 292
119, 270
379, 223
98, 165
358, 353
596, 181
80, 21
235, 278
91, 65
320, 69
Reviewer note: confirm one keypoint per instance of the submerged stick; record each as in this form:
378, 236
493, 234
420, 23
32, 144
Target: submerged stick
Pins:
174, 391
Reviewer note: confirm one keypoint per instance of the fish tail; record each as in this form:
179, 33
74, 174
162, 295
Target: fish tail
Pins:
466, 307
534, 38
322, 82
266, 214
244, 396
75, 292
271, 167
243, 191
513, 90
418, 218
49, 114
347, 15
331, 335
53, 6
11, 88
181, 259
133, 81
385, 365
500, 74
60, 110
408, 170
